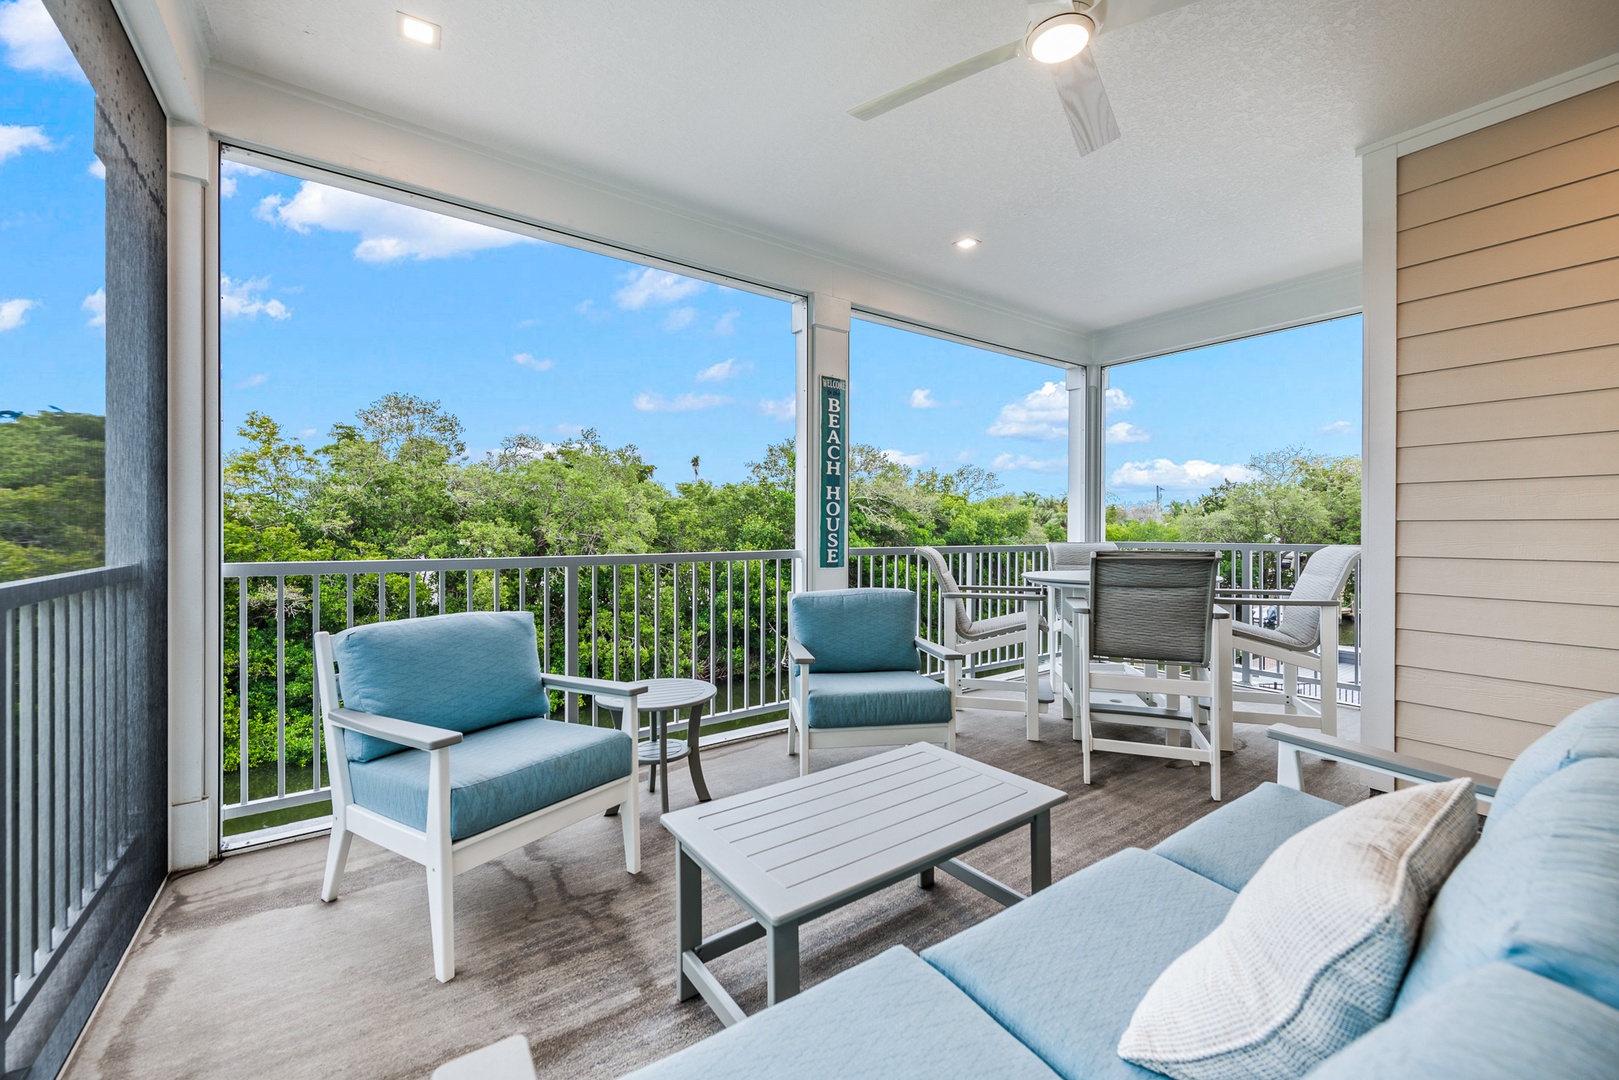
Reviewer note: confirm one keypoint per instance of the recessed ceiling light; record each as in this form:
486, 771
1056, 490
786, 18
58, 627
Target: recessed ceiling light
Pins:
420, 31
967, 243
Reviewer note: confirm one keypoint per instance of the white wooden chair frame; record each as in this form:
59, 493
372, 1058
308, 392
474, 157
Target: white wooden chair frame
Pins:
1000, 694
1209, 727
801, 738
433, 848
1294, 707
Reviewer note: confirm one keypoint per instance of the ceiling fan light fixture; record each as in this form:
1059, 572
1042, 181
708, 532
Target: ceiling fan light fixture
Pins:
1061, 37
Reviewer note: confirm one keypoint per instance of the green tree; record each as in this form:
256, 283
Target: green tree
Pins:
1291, 496
52, 494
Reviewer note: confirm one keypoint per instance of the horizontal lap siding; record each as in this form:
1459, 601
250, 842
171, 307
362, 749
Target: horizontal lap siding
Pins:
1507, 470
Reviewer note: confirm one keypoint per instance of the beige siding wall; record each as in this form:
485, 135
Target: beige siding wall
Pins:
1507, 544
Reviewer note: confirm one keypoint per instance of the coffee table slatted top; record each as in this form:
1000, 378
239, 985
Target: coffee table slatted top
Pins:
789, 849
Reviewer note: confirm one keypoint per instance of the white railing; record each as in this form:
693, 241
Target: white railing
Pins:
721, 616
65, 762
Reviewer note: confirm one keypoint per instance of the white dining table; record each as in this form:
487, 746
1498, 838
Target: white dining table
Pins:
1062, 586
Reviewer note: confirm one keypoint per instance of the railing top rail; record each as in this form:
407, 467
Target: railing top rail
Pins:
15, 594
523, 562
1224, 545
949, 549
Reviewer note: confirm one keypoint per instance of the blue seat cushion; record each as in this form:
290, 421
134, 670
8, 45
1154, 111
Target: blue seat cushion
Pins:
891, 1017
857, 629
463, 672
1064, 970
497, 774
1589, 732
1541, 890
1496, 1023
876, 699
1228, 845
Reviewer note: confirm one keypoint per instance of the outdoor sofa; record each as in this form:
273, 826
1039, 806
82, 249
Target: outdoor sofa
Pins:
1516, 973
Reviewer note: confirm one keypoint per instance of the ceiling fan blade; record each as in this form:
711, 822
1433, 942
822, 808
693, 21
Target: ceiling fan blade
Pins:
1115, 14
1084, 99
939, 79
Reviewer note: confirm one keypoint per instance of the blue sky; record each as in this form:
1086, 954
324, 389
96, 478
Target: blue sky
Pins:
52, 222
332, 298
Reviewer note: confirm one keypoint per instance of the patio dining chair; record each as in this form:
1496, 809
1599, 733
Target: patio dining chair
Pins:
1145, 609
972, 636
856, 674
441, 750
1305, 636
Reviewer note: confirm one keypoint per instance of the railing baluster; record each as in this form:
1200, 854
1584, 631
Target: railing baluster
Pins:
281, 683
241, 680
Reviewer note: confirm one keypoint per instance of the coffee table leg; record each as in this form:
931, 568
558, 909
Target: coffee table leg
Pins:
925, 879
688, 917
1040, 851
694, 724
783, 976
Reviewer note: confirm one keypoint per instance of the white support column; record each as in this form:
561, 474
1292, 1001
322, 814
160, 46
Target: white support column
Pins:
1379, 196
1085, 454
821, 327
193, 547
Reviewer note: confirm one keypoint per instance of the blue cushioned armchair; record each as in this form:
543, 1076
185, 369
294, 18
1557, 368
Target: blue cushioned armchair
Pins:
857, 678
440, 750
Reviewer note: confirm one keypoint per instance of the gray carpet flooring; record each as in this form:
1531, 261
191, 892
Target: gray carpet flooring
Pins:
242, 972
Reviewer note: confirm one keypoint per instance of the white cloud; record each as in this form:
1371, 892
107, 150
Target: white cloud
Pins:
14, 139
32, 41
388, 231
779, 408
725, 369
900, 457
649, 402
1338, 427
1123, 432
649, 286
96, 169
1193, 475
587, 309
679, 318
1117, 399
1042, 414
726, 324
251, 381
1024, 461
922, 398
96, 305
229, 171
239, 299
307, 433
527, 360
13, 313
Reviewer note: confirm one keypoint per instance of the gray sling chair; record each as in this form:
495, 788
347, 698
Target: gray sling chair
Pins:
1306, 636
1148, 608
970, 636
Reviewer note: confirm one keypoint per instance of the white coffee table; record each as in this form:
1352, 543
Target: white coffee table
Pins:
794, 851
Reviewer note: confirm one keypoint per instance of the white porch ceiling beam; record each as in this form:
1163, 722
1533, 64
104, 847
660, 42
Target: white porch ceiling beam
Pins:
171, 50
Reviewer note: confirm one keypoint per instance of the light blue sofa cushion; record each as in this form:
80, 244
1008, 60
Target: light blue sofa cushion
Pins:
1541, 890
891, 1017
875, 698
462, 672
1496, 1023
497, 774
857, 629
1063, 970
1228, 845
1589, 732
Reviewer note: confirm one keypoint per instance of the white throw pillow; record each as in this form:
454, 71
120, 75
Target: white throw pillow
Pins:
1312, 952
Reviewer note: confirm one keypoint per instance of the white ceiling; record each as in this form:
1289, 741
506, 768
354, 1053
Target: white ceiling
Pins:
1237, 167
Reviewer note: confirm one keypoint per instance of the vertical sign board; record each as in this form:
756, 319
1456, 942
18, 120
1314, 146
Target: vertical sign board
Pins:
834, 461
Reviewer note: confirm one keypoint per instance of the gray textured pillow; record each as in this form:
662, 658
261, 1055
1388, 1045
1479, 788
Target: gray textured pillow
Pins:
1312, 952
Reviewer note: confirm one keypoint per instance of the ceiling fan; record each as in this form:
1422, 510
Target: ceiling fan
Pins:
1057, 36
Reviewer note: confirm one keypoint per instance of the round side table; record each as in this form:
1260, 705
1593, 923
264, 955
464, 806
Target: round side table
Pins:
662, 700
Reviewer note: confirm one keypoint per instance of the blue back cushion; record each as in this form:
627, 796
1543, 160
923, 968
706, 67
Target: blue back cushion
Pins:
464, 672
857, 629
1591, 732
1541, 890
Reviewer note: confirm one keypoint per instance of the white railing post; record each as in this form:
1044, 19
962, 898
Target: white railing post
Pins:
570, 637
